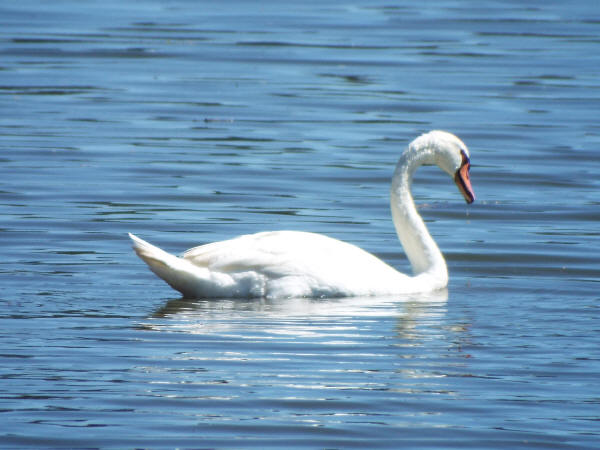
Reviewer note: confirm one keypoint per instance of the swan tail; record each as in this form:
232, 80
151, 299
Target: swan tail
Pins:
179, 273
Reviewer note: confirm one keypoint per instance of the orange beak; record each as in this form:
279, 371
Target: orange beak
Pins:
463, 181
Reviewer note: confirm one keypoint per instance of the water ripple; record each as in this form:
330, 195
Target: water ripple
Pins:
188, 125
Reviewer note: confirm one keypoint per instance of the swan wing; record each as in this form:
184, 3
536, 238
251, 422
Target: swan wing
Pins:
280, 252
255, 252
293, 263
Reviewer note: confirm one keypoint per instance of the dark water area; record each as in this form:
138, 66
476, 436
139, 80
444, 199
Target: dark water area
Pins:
191, 122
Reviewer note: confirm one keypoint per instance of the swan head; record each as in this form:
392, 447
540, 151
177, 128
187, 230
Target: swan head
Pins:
450, 154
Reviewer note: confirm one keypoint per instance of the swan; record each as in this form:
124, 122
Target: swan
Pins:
287, 264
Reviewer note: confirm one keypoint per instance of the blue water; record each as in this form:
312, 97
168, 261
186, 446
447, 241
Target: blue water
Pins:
190, 122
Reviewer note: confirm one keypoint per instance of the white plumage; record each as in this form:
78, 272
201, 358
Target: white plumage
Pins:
277, 264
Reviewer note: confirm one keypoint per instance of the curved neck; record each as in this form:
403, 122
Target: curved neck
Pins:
423, 253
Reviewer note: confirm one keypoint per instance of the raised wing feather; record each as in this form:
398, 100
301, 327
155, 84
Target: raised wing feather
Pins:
283, 253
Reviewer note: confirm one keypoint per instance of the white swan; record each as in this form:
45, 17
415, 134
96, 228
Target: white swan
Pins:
279, 264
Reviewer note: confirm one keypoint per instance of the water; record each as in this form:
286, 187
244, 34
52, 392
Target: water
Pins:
189, 122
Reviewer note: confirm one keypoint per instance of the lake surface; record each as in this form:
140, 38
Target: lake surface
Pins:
190, 122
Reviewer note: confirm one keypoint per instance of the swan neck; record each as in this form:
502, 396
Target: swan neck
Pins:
421, 250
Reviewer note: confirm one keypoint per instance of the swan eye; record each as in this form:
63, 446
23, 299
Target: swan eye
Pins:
465, 159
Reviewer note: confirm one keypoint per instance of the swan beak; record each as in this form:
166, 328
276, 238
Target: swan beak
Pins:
463, 181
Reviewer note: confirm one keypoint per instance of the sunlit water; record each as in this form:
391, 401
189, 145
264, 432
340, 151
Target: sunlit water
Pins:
189, 122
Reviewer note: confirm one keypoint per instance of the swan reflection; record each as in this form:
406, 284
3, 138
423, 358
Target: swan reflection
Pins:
302, 348
296, 316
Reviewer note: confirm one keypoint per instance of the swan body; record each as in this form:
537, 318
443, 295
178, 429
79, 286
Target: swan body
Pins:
276, 264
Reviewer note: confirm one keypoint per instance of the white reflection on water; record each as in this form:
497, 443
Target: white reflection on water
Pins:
295, 316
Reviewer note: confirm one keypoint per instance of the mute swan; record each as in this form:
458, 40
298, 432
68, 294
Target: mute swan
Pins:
277, 264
